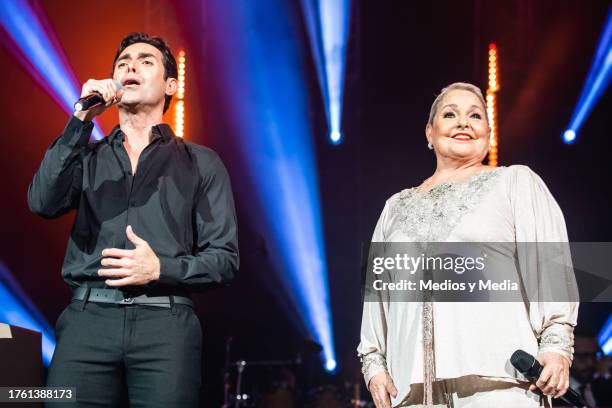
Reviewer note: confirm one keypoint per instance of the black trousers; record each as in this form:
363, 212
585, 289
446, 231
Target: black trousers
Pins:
111, 354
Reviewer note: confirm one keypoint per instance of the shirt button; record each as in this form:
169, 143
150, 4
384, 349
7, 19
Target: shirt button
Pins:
132, 203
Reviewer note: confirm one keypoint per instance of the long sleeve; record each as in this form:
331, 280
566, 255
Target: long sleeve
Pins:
372, 348
56, 186
215, 256
545, 262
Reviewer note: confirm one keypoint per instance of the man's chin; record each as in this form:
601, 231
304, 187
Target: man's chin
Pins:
128, 104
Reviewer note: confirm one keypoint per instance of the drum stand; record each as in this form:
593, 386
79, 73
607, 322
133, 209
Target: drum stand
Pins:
240, 399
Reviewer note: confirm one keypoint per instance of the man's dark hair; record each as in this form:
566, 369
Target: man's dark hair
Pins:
170, 68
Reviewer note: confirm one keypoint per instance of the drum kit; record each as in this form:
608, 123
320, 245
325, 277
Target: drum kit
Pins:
275, 384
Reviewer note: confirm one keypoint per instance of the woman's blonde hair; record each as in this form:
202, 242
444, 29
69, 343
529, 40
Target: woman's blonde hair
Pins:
456, 85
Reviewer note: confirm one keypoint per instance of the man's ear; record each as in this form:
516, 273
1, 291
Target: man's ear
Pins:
171, 86
428, 132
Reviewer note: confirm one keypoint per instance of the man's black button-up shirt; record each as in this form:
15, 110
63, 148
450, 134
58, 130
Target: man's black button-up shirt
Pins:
179, 201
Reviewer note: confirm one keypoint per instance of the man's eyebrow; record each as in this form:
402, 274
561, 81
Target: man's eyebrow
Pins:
141, 55
124, 57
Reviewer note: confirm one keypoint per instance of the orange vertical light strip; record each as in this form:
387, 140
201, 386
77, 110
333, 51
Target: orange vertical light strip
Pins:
492, 90
179, 110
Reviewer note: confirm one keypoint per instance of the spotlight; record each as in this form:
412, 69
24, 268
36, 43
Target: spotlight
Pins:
491, 102
569, 136
330, 365
335, 137
179, 110
596, 83
327, 24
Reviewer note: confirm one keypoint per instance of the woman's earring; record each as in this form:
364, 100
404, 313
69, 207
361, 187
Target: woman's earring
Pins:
429, 146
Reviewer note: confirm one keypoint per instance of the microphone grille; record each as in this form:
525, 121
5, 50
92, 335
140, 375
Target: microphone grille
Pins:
521, 360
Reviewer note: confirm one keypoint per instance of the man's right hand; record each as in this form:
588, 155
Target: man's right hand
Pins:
381, 387
109, 92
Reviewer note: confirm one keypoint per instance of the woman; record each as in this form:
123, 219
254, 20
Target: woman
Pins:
456, 354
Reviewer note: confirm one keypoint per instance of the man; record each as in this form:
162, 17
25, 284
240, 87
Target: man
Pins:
155, 221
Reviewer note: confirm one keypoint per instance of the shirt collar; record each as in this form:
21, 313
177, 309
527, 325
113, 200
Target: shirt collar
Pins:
162, 130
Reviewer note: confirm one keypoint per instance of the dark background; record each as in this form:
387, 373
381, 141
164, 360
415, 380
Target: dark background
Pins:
400, 54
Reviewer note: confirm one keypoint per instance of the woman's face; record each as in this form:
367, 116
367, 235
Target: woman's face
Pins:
460, 129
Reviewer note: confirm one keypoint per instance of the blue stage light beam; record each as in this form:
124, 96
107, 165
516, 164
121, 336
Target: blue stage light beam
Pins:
310, 10
18, 310
261, 77
45, 61
596, 83
605, 337
327, 25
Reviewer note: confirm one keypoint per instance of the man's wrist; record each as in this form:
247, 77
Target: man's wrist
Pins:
157, 270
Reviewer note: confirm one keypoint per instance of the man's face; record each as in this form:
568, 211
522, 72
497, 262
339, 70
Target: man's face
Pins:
140, 71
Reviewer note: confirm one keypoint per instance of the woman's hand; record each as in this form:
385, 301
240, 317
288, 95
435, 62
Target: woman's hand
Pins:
554, 380
381, 387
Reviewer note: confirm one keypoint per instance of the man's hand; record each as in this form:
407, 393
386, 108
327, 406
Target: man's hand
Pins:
381, 386
109, 92
137, 266
554, 380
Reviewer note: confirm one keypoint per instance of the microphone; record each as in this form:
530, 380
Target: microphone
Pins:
531, 368
92, 100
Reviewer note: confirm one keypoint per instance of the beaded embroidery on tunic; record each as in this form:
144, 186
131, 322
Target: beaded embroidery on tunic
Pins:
432, 215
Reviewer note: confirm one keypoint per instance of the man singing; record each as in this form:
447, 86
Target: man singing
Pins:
155, 221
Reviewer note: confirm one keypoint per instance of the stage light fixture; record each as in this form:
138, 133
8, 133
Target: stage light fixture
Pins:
595, 85
330, 365
491, 98
335, 137
569, 136
179, 110
327, 24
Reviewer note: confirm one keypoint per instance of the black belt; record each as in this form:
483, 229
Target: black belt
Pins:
117, 297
